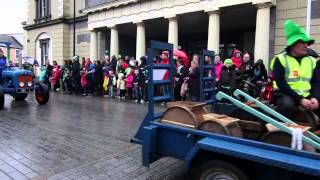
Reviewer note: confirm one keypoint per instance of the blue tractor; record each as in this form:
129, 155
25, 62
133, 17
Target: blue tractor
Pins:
18, 83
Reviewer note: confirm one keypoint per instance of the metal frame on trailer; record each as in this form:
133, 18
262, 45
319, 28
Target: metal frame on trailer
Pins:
205, 79
156, 46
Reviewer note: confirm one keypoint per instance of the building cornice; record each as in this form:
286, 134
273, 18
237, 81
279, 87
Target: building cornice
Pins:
109, 5
55, 21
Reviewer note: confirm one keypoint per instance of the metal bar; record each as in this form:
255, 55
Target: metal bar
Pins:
221, 95
158, 82
264, 107
162, 98
161, 66
308, 16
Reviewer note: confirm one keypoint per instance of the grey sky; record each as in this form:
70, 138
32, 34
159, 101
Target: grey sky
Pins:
12, 14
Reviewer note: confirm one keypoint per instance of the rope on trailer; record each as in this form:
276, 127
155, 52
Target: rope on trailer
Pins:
296, 140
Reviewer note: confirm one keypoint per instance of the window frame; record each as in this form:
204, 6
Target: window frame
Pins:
17, 53
43, 10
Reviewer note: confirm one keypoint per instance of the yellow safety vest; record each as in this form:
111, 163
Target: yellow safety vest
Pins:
298, 75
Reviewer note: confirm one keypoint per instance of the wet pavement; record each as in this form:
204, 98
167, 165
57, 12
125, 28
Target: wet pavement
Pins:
74, 137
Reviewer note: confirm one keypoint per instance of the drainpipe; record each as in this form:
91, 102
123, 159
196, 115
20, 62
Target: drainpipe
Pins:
74, 27
308, 17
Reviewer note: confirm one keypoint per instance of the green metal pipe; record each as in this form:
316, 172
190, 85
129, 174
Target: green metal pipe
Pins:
221, 95
264, 107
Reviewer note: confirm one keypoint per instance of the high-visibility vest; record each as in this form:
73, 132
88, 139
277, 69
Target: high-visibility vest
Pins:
298, 75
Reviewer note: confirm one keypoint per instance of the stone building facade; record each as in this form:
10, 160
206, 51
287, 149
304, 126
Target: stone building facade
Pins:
127, 26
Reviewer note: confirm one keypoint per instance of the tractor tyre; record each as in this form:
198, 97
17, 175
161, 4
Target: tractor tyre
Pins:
42, 93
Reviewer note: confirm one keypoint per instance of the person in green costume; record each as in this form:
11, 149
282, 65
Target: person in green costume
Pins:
296, 74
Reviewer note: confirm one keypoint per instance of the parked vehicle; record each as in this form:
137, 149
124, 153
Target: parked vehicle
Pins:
19, 83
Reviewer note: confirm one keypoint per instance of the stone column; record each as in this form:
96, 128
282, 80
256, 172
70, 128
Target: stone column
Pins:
141, 41
214, 31
93, 45
101, 44
114, 41
173, 32
261, 46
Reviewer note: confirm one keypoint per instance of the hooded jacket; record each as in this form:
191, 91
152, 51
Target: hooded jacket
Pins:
228, 77
236, 61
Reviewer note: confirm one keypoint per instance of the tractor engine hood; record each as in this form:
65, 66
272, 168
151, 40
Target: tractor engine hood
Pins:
15, 72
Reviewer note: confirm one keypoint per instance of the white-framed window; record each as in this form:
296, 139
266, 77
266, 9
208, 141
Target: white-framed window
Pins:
17, 53
43, 9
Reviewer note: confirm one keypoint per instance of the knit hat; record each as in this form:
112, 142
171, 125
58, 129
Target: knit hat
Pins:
295, 33
228, 61
76, 58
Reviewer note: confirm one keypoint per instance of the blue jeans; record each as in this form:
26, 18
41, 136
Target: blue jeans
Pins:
110, 91
137, 93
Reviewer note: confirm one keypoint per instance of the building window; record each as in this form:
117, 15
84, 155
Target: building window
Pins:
44, 47
17, 54
43, 11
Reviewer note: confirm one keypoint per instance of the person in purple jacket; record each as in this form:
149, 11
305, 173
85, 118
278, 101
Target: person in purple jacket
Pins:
3, 63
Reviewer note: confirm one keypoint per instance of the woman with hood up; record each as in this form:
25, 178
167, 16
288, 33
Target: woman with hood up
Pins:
236, 58
260, 76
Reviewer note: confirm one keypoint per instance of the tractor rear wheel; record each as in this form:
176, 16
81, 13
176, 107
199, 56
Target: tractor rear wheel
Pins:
20, 97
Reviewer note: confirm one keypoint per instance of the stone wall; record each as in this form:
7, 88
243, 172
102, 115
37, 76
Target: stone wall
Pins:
58, 34
295, 10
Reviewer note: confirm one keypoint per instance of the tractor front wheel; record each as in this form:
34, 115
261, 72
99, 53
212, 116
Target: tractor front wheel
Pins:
42, 93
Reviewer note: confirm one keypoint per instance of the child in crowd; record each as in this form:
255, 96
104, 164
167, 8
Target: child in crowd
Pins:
112, 82
236, 59
121, 86
129, 82
228, 77
84, 82
137, 85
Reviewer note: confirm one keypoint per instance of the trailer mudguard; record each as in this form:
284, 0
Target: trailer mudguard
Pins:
290, 161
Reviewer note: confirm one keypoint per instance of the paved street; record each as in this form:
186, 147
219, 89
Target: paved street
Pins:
75, 137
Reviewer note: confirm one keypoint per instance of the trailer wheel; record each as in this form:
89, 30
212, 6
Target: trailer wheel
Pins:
217, 170
1, 98
20, 97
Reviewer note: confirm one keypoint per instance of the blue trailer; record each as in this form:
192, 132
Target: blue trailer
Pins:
213, 156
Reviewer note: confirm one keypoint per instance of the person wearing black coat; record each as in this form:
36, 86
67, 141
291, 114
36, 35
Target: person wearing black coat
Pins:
246, 68
138, 82
227, 82
76, 77
194, 81
179, 75
260, 76
98, 78
113, 63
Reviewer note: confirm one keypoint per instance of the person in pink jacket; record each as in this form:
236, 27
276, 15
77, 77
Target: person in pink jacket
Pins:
129, 83
218, 66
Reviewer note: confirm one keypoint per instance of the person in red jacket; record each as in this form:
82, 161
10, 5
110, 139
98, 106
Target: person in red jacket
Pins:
55, 79
236, 58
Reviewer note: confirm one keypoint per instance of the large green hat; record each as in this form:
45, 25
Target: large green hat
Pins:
295, 33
